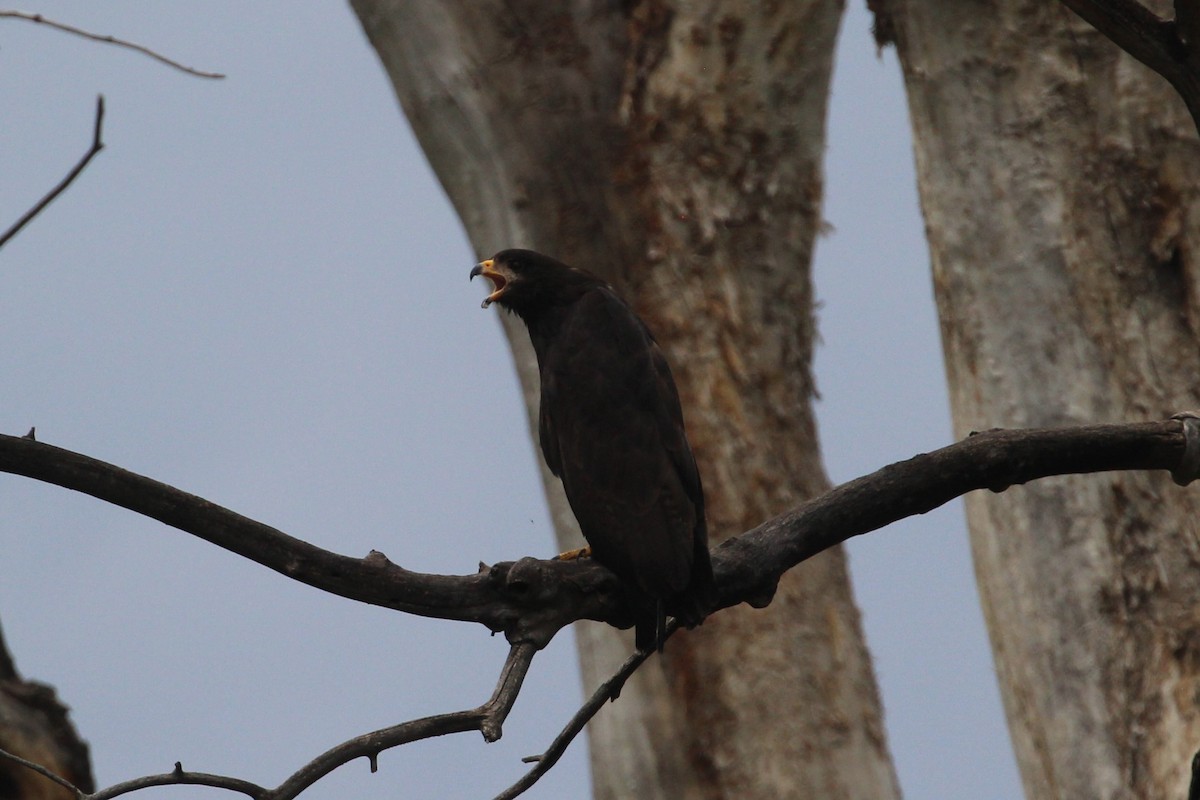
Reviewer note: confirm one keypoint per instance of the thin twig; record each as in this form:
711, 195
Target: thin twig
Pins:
176, 777
512, 676
40, 770
609, 690
488, 719
180, 777
97, 146
95, 37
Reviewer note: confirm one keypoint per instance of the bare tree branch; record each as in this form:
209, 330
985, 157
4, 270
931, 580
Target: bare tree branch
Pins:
1170, 48
607, 691
39, 769
95, 37
97, 146
531, 599
527, 599
488, 719
179, 776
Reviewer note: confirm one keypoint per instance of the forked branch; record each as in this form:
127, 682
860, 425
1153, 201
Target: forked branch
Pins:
531, 599
605, 693
488, 719
97, 146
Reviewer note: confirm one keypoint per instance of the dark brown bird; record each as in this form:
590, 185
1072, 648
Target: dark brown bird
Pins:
611, 428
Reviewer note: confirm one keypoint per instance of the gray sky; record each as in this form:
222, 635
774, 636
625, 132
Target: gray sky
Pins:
258, 293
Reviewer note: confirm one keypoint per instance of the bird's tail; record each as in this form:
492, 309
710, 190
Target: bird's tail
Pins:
693, 604
660, 624
650, 630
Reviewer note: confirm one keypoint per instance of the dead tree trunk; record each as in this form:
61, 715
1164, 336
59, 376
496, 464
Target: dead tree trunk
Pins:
1060, 182
676, 150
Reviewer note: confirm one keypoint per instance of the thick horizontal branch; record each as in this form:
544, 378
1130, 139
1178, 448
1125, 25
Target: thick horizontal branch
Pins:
993, 460
531, 599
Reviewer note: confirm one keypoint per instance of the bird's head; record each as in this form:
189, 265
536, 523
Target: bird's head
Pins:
524, 281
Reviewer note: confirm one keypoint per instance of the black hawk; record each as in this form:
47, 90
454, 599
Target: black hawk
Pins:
611, 428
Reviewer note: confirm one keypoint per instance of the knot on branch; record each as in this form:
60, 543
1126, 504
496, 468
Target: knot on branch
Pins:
549, 595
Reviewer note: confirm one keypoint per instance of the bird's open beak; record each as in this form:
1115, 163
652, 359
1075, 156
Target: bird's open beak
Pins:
499, 282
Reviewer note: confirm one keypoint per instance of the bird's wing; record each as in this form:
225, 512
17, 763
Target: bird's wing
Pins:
546, 430
612, 429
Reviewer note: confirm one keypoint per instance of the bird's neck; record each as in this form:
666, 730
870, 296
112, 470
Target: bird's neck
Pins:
544, 323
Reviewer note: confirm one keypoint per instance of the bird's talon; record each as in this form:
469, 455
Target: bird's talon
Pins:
571, 555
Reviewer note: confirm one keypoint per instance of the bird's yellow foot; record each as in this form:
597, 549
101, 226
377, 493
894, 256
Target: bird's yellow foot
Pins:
571, 555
